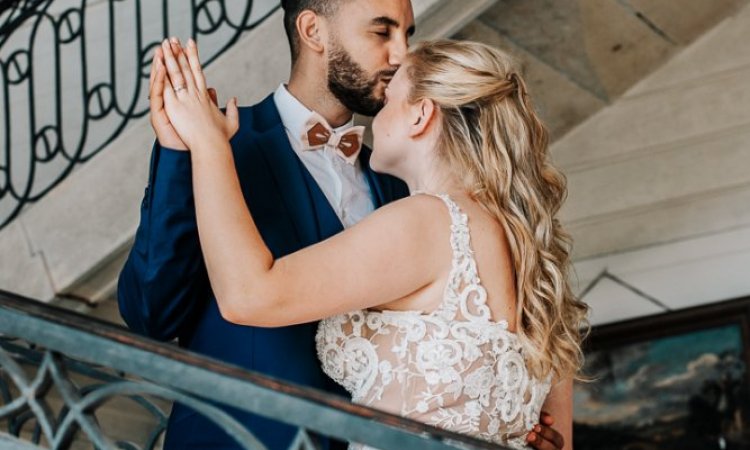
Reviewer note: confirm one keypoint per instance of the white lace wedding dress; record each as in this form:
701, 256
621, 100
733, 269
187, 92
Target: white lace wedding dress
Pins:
454, 368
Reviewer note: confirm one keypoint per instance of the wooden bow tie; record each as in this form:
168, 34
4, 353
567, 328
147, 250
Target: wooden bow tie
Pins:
348, 143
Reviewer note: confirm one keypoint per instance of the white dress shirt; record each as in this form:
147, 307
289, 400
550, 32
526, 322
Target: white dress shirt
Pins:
343, 184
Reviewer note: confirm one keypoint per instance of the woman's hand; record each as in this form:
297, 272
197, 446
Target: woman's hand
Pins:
188, 103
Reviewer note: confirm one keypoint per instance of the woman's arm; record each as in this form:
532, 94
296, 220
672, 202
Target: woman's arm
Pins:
384, 258
377, 261
559, 404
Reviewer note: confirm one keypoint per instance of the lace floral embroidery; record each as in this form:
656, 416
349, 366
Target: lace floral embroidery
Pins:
454, 367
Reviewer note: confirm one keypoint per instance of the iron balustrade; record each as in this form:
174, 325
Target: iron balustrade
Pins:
73, 77
61, 347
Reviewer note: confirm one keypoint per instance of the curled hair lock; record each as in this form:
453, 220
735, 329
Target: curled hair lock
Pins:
518, 84
494, 142
505, 88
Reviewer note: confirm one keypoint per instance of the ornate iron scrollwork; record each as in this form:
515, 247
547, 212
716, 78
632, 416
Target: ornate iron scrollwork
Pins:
73, 77
59, 370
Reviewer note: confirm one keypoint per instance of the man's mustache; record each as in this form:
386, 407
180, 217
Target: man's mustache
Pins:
386, 74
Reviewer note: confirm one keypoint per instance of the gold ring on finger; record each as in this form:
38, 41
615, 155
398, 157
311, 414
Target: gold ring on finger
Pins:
179, 88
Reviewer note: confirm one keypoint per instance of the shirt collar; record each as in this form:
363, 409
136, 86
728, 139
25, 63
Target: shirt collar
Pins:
294, 114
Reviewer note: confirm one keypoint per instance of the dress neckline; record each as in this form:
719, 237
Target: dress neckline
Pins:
432, 194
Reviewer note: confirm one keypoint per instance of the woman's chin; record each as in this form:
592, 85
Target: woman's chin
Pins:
376, 164
383, 160
382, 168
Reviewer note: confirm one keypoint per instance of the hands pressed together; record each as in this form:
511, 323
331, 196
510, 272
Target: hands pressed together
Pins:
184, 111
185, 116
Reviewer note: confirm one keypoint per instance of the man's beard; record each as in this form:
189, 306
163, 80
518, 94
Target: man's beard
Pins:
349, 83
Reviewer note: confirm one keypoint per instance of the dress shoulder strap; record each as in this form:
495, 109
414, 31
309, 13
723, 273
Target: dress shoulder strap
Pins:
460, 236
464, 291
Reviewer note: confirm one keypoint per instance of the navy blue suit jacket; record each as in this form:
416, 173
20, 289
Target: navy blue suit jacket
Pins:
164, 292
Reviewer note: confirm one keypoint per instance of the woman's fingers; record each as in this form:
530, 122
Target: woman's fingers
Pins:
176, 79
169, 95
181, 56
195, 65
214, 96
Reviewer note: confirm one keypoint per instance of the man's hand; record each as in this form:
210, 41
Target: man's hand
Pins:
165, 133
543, 437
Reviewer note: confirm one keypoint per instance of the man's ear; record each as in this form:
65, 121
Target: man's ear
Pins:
311, 30
424, 114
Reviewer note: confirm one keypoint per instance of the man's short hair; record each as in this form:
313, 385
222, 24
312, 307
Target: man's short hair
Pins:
292, 10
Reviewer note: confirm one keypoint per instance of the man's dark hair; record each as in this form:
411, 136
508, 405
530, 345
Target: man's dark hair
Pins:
292, 10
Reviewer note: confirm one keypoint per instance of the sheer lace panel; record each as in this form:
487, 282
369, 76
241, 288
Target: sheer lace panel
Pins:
454, 367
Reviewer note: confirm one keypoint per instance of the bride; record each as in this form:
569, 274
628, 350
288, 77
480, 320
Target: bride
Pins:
451, 306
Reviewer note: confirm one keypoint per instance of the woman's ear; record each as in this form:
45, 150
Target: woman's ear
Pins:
424, 114
311, 29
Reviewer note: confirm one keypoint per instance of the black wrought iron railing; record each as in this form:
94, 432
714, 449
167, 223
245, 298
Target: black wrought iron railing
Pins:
74, 74
60, 372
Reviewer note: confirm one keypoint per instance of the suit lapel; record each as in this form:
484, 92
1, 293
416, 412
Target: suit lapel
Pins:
273, 143
312, 215
328, 222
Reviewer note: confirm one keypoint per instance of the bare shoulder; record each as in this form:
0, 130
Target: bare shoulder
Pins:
409, 226
418, 213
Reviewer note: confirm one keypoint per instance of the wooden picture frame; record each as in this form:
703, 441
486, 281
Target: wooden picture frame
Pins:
678, 380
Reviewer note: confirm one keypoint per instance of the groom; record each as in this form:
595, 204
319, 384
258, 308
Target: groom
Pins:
301, 190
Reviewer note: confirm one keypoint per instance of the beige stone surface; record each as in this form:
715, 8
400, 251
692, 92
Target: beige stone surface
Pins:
722, 49
679, 113
686, 169
684, 20
603, 47
628, 305
551, 30
661, 223
666, 162
561, 103
620, 48
446, 18
679, 274
22, 266
80, 223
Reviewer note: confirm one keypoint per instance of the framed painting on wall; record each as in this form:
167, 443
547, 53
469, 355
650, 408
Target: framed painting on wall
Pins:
678, 380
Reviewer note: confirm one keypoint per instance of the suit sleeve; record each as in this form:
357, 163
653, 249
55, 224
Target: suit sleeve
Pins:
164, 284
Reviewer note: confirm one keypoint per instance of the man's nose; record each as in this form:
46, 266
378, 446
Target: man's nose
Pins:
398, 52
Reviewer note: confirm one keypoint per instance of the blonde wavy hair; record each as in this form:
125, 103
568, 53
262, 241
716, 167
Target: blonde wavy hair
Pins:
493, 140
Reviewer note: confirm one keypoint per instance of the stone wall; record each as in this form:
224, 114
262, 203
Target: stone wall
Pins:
659, 182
